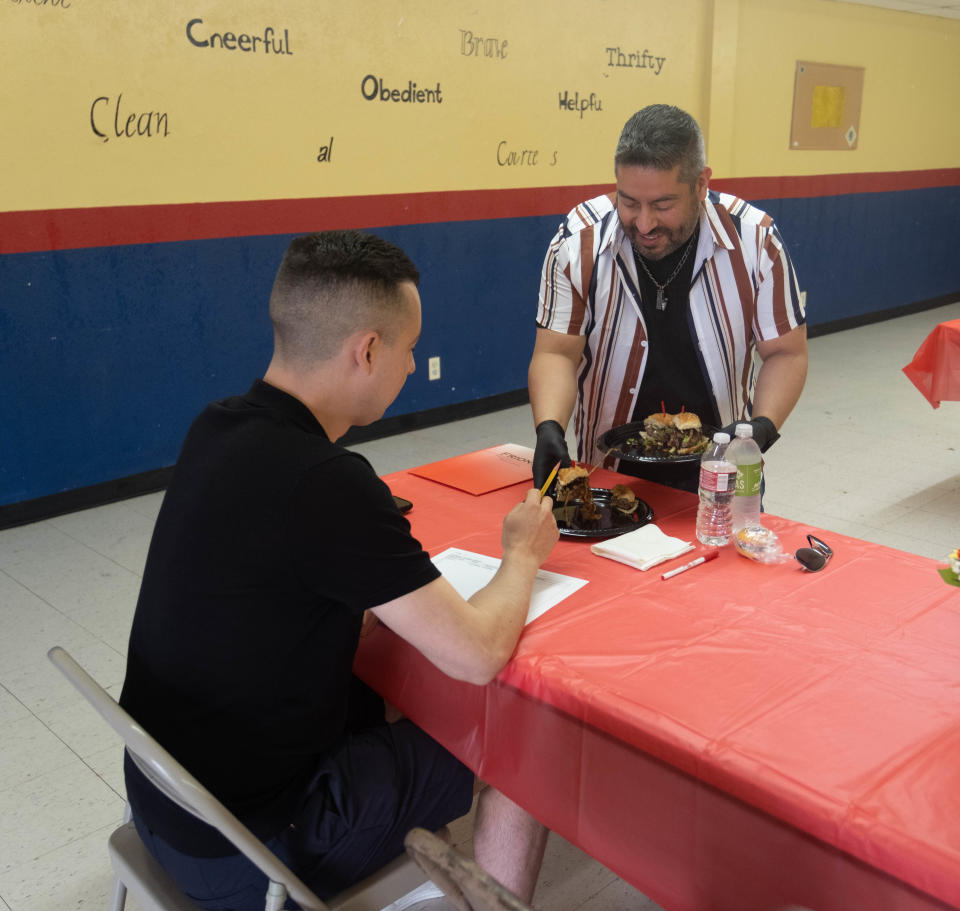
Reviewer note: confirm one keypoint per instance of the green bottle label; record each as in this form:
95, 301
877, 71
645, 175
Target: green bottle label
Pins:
748, 479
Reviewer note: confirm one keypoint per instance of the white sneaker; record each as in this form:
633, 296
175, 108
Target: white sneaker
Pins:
422, 893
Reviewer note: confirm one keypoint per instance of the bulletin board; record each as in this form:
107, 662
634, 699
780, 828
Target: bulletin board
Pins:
826, 106
202, 102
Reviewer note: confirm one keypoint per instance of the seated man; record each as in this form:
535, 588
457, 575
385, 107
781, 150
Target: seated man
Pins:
272, 547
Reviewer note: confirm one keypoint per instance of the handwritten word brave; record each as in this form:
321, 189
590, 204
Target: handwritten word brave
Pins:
373, 88
644, 60
576, 103
243, 42
146, 123
474, 46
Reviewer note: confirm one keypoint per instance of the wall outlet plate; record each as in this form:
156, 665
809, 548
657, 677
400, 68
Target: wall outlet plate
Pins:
433, 368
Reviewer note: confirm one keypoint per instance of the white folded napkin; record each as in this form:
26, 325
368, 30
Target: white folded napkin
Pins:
643, 548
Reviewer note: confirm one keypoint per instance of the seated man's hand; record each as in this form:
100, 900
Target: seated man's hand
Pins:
530, 529
368, 623
763, 431
551, 448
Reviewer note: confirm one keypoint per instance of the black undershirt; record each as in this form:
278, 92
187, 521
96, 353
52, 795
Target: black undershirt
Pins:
672, 378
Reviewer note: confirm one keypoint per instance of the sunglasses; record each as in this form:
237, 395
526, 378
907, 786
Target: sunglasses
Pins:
814, 557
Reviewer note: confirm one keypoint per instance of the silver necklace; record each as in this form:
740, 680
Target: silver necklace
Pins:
661, 289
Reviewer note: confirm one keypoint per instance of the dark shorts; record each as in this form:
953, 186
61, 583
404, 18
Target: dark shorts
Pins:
364, 798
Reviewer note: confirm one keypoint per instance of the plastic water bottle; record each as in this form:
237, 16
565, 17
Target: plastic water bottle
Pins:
745, 454
718, 478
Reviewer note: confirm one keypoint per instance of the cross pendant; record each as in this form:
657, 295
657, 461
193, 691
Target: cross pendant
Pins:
661, 299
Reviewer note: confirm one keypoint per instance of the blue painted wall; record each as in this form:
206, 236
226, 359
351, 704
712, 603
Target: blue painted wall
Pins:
107, 354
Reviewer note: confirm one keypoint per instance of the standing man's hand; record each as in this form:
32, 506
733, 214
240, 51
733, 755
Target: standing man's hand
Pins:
551, 448
764, 432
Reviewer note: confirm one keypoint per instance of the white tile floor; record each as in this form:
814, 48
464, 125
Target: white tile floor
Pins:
863, 454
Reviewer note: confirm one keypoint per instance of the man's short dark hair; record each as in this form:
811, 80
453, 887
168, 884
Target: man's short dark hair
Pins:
331, 284
662, 136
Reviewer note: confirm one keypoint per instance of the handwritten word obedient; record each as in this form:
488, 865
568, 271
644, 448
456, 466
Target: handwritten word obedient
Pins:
373, 89
644, 60
269, 42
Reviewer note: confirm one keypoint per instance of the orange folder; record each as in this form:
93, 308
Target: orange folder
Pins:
482, 471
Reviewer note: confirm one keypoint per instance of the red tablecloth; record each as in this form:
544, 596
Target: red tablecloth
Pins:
935, 368
736, 737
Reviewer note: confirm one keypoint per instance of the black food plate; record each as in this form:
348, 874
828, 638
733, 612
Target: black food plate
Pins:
614, 442
609, 523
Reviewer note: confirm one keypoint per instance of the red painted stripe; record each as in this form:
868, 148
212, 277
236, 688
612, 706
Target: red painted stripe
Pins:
756, 188
105, 226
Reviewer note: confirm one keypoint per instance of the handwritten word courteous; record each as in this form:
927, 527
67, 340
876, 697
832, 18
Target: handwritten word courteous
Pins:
641, 60
474, 46
125, 125
269, 42
373, 88
508, 157
574, 102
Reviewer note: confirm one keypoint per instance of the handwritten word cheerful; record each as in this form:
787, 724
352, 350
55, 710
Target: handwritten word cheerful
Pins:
272, 43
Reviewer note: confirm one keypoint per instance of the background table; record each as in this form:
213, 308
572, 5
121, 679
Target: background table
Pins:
736, 737
935, 368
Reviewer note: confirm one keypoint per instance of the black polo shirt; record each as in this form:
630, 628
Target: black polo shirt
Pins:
270, 544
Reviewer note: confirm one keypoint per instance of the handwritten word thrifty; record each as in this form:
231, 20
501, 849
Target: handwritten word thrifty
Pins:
639, 59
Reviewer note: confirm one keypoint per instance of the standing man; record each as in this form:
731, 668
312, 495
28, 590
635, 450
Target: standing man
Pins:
664, 295
272, 547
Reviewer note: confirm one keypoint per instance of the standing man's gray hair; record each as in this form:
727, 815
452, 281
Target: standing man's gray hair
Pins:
662, 136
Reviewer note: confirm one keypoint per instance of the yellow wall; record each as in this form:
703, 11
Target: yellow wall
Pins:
247, 126
910, 119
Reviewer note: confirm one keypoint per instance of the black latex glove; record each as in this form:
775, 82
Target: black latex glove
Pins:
763, 431
551, 448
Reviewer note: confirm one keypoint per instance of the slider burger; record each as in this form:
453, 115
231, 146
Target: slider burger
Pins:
573, 486
674, 434
623, 500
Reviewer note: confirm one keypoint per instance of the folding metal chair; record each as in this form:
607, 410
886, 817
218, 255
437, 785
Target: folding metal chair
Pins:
147, 881
463, 882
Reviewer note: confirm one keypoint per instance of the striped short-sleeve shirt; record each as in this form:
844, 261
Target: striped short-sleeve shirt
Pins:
743, 290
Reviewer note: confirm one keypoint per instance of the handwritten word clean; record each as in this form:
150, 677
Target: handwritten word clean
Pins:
640, 60
574, 102
270, 40
373, 88
474, 46
145, 123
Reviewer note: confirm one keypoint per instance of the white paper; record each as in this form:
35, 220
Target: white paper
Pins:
468, 572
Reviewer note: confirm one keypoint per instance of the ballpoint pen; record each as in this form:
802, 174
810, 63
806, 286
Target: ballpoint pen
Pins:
709, 555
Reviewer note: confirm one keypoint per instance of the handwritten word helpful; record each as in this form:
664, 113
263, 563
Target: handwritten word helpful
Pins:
574, 102
373, 89
125, 126
640, 60
269, 42
474, 46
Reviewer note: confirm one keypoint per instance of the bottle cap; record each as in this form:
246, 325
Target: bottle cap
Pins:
744, 430
721, 437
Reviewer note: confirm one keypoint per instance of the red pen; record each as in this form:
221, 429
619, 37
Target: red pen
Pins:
709, 555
